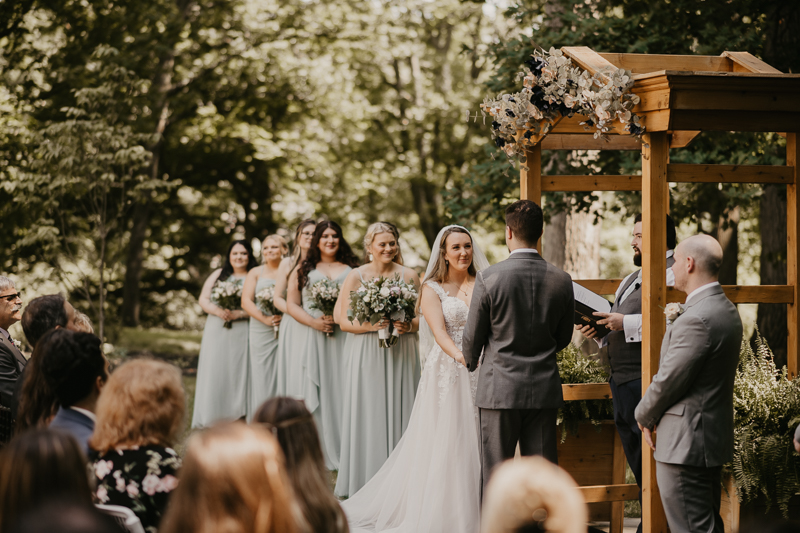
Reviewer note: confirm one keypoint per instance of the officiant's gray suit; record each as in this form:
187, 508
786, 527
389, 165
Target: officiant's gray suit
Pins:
521, 316
691, 402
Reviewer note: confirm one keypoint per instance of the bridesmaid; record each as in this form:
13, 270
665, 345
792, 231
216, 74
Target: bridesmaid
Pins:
329, 257
381, 382
290, 364
263, 377
222, 366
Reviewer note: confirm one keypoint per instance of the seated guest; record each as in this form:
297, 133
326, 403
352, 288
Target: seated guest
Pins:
233, 480
294, 427
37, 467
12, 362
76, 370
34, 402
83, 323
66, 517
532, 494
139, 416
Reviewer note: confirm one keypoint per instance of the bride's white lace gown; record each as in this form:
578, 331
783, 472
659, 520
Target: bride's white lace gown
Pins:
431, 481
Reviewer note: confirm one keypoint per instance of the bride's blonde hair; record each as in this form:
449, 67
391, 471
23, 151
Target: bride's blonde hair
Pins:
440, 268
382, 227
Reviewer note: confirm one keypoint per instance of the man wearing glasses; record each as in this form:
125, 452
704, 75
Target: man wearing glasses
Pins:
12, 362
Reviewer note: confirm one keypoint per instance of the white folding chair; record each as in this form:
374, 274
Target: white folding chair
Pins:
123, 516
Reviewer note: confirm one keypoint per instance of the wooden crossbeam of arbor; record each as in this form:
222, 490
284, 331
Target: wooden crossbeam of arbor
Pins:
680, 97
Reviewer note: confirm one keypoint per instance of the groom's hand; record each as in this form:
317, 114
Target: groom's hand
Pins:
649, 436
612, 321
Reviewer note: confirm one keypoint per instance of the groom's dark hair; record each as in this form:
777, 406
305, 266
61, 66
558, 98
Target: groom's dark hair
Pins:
525, 219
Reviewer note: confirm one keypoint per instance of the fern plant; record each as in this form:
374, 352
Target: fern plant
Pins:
574, 367
766, 413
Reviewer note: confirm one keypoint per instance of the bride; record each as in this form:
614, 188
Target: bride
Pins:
431, 481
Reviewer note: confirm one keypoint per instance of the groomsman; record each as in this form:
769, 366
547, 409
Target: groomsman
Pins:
623, 348
691, 397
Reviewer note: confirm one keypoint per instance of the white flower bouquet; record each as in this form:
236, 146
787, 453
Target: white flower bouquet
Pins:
392, 299
265, 301
554, 88
323, 297
227, 295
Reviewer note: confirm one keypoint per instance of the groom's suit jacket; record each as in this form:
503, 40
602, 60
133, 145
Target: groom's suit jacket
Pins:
521, 316
691, 396
12, 362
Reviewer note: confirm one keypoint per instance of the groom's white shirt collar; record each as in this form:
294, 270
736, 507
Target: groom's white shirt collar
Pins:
524, 251
701, 289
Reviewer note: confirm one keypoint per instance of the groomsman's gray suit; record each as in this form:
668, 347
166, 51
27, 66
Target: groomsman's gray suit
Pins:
691, 402
521, 316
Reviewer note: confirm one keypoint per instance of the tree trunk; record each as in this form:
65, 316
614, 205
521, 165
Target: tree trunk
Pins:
771, 318
554, 243
728, 237
131, 297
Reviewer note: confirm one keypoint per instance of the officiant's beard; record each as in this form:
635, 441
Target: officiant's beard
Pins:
637, 258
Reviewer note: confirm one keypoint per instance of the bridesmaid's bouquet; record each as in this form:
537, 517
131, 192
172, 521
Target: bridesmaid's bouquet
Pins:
323, 296
265, 301
227, 295
392, 299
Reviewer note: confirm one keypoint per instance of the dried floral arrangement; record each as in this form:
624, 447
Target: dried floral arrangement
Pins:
555, 88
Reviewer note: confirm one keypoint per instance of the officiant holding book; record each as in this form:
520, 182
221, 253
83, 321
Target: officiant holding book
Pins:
623, 348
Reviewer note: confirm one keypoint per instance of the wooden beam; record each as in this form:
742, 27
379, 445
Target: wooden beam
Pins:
610, 493
793, 255
618, 462
573, 125
642, 63
590, 60
587, 141
729, 173
600, 286
746, 62
655, 197
721, 120
746, 294
530, 179
768, 100
681, 139
591, 183
586, 391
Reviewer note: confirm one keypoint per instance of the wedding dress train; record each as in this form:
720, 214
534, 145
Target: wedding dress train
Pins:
431, 481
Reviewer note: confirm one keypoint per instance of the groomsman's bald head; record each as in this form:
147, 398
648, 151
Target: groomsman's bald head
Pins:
697, 262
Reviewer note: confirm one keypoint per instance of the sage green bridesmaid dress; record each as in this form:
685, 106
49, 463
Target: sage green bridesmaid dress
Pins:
263, 356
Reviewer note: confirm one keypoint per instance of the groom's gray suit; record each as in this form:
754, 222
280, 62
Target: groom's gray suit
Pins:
521, 316
691, 402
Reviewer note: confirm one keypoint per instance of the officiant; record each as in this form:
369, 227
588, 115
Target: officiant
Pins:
623, 348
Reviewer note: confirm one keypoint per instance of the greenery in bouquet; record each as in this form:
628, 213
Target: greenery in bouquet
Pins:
265, 301
574, 367
227, 295
554, 88
766, 412
390, 298
323, 296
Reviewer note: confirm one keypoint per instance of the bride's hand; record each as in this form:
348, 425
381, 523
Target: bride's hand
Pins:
460, 359
401, 327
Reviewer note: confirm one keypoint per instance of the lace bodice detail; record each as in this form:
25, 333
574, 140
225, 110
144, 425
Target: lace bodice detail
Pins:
446, 369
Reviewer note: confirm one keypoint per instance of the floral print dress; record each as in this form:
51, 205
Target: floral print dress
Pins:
140, 479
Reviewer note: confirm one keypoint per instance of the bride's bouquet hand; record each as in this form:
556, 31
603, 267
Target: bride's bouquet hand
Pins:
460, 359
401, 327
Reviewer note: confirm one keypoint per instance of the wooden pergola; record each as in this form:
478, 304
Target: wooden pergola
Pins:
681, 96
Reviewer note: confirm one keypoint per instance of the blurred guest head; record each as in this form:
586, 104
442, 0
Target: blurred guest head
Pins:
75, 369
10, 303
37, 402
45, 313
66, 517
83, 323
142, 403
39, 466
294, 427
233, 480
532, 494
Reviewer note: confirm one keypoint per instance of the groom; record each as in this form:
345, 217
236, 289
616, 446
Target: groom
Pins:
520, 317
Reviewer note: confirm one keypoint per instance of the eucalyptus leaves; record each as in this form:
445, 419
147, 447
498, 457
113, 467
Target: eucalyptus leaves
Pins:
555, 88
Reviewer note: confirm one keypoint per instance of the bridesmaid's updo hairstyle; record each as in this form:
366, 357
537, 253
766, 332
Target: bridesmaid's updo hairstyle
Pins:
296, 251
227, 267
277, 238
439, 271
377, 228
344, 254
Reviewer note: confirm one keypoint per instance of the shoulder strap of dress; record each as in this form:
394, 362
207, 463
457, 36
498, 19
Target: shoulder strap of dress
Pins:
359, 274
436, 288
